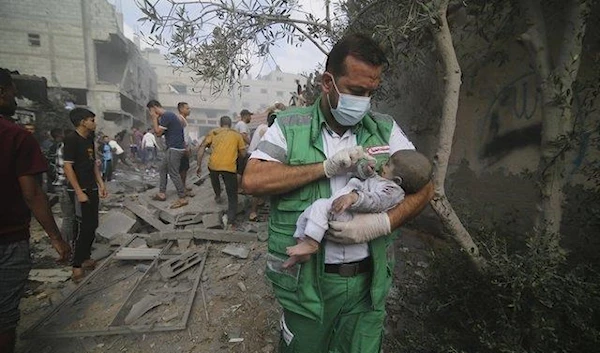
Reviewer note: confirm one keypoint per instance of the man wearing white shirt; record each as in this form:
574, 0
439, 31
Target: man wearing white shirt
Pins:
119, 153
335, 302
149, 146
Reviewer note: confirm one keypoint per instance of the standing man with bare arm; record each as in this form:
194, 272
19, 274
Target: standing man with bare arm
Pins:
168, 124
21, 160
184, 112
85, 187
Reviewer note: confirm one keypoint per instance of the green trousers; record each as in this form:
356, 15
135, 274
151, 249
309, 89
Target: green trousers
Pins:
350, 323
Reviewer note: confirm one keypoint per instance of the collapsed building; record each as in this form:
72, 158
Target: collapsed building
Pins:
80, 48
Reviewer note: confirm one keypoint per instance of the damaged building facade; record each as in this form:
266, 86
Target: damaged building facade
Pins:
79, 47
256, 94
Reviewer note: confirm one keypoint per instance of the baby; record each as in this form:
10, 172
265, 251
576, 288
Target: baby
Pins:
407, 171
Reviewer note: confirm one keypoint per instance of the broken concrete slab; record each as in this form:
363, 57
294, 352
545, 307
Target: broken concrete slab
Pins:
175, 266
53, 275
188, 218
137, 254
121, 239
101, 251
138, 243
183, 244
237, 251
229, 236
143, 306
115, 222
212, 221
147, 216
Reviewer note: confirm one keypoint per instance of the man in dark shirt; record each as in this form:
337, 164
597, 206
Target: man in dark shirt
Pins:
85, 185
168, 124
21, 160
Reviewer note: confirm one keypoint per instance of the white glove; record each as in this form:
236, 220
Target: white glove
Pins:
344, 161
363, 228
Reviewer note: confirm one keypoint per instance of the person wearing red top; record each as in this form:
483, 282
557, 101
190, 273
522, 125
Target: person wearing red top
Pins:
21, 159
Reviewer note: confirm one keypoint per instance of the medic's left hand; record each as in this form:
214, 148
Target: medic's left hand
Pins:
363, 228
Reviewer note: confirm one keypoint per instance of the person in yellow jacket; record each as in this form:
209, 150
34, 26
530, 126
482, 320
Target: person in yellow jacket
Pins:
335, 302
227, 144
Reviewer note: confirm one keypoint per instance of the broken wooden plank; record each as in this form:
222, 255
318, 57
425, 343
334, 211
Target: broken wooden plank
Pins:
147, 216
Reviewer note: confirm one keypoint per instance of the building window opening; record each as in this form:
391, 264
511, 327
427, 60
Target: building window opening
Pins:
34, 39
178, 88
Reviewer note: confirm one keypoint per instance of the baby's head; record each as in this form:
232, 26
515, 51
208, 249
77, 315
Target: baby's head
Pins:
409, 169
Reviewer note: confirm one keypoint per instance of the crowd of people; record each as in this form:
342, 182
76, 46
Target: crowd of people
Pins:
340, 178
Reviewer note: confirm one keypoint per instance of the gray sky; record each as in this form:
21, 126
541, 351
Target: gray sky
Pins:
290, 59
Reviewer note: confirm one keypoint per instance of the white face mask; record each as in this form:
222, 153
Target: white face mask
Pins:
350, 109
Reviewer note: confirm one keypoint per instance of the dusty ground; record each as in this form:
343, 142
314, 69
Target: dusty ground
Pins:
253, 313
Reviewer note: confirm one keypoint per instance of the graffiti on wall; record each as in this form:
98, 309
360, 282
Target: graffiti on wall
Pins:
510, 121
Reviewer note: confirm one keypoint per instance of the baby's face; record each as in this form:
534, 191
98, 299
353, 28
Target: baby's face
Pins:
387, 170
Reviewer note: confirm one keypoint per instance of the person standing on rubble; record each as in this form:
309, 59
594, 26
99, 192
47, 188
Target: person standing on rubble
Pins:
227, 145
85, 187
184, 112
21, 159
168, 124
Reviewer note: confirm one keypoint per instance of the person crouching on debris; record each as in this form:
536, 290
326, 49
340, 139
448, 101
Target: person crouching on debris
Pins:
21, 159
85, 186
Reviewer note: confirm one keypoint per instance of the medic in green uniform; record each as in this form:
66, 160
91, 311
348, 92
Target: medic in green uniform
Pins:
335, 302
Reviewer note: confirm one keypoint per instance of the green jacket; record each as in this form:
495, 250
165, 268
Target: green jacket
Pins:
302, 129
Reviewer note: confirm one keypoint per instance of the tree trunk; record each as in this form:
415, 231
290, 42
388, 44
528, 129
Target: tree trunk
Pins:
556, 86
452, 80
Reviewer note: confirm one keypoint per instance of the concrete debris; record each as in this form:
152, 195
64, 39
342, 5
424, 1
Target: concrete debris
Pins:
183, 244
170, 315
121, 239
141, 267
138, 243
235, 335
114, 187
101, 251
137, 253
237, 251
181, 288
188, 218
50, 275
230, 270
173, 267
115, 222
212, 221
241, 286
229, 236
143, 306
147, 216
263, 236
